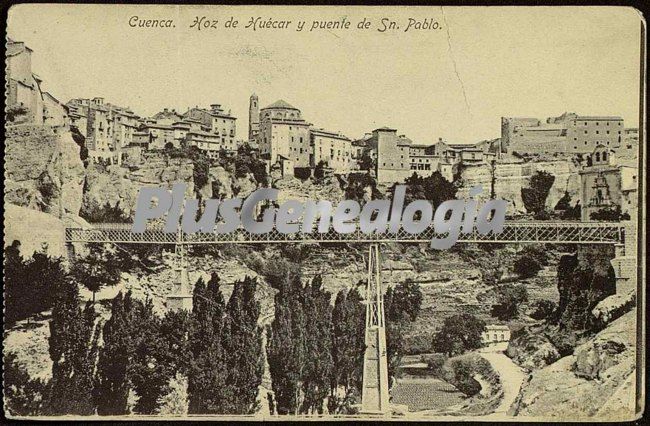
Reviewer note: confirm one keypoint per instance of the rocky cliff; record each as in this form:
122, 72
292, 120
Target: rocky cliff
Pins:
43, 169
508, 178
596, 380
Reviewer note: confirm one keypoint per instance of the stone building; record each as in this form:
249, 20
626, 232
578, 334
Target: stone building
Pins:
24, 90
108, 128
284, 132
604, 185
218, 122
495, 333
333, 149
568, 133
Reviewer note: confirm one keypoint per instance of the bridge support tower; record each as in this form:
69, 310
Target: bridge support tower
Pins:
375, 361
181, 298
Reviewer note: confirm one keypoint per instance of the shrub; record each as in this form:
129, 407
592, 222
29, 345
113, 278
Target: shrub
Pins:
543, 309
526, 266
509, 300
459, 333
609, 214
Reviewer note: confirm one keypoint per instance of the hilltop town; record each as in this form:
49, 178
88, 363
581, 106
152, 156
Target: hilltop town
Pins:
285, 140
546, 312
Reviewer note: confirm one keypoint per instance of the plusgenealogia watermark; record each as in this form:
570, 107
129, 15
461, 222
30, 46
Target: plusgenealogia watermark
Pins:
258, 214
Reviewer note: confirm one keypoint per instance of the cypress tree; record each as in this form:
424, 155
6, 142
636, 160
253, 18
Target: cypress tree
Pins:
348, 347
318, 364
285, 347
242, 341
112, 381
73, 350
207, 376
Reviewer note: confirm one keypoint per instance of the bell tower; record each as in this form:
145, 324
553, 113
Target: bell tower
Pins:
253, 118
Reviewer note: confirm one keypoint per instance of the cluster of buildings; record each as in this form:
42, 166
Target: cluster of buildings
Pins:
568, 133
284, 138
112, 131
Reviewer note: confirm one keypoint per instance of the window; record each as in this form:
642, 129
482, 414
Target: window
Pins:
596, 123
605, 155
597, 132
608, 132
585, 132
598, 156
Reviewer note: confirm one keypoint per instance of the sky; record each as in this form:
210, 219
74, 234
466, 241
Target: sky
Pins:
453, 82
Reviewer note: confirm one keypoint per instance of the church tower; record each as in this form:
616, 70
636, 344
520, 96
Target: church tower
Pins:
253, 118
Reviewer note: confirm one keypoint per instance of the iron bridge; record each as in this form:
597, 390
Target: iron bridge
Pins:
513, 232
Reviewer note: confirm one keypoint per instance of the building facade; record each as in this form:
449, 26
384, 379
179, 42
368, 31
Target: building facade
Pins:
283, 132
604, 185
253, 118
333, 149
495, 334
568, 133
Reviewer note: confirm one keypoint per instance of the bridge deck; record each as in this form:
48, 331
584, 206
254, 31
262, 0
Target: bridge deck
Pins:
513, 232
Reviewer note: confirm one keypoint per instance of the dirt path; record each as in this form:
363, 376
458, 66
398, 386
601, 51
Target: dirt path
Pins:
511, 375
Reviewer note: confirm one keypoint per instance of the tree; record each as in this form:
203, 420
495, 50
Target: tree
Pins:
207, 378
434, 188
366, 162
534, 197
318, 368
348, 347
285, 344
459, 333
526, 266
509, 300
149, 369
543, 309
404, 301
112, 382
609, 214
243, 337
319, 171
361, 187
73, 347
401, 306
24, 396
30, 284
98, 269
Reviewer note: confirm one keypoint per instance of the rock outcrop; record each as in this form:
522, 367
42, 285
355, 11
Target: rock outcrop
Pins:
532, 351
117, 186
43, 169
508, 178
580, 385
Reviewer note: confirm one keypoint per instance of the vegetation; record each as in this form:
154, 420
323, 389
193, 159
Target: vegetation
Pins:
459, 333
509, 300
530, 261
401, 306
543, 309
96, 270
366, 162
361, 187
104, 214
434, 188
609, 214
534, 197
30, 284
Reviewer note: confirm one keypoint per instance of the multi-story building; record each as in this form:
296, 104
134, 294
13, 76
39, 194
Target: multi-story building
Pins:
283, 132
393, 163
218, 122
568, 133
24, 90
332, 148
108, 128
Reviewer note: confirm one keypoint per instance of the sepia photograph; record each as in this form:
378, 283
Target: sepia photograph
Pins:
299, 213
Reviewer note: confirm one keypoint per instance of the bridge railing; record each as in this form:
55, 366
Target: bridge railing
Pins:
513, 232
